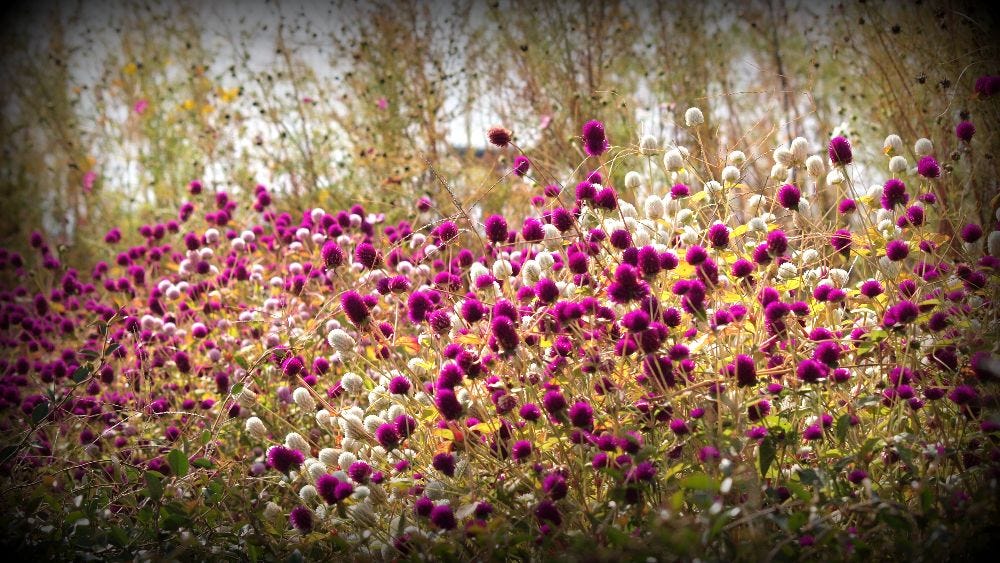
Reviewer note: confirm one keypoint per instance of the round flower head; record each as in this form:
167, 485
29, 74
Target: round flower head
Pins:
840, 151
693, 117
928, 167
965, 130
595, 143
893, 194
498, 136
971, 233
354, 307
496, 228
789, 197
521, 165
332, 255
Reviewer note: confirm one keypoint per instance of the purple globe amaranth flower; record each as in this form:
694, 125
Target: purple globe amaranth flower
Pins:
367, 255
718, 235
744, 369
530, 412
606, 199
292, 366
445, 463
789, 197
928, 167
521, 450
841, 241
521, 165
387, 436
840, 151
893, 194
901, 313
547, 511
332, 254
810, 371
301, 519
595, 142
496, 228
813, 432
679, 190
971, 233
505, 333
695, 255
742, 268
447, 404
532, 230
581, 415
443, 517
354, 307
871, 289
965, 130
846, 206
555, 486
284, 459
777, 243
897, 250
554, 401
499, 136
987, 85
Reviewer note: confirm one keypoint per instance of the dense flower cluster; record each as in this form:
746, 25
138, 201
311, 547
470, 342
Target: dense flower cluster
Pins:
583, 363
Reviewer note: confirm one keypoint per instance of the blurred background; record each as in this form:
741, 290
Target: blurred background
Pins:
110, 109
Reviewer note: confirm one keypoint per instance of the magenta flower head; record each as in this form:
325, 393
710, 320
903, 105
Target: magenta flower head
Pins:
840, 151
893, 194
332, 255
284, 459
367, 255
987, 86
897, 250
354, 307
595, 142
301, 519
928, 167
789, 197
521, 450
292, 366
387, 436
521, 165
498, 136
965, 130
447, 404
971, 232
443, 517
841, 241
496, 228
554, 401
581, 415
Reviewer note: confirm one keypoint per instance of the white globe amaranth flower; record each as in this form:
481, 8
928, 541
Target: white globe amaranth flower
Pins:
341, 341
295, 441
502, 269
648, 145
779, 172
272, 511
713, 187
255, 427
730, 175
893, 145
839, 276
993, 244
898, 164
346, 459
304, 399
627, 209
673, 160
756, 224
782, 155
787, 271
809, 256
352, 382
736, 158
633, 180
653, 207
923, 147
800, 150
328, 456
815, 166
545, 260
531, 272
835, 177
693, 117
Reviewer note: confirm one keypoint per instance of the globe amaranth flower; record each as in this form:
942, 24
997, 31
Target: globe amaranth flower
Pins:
971, 233
965, 130
499, 137
897, 250
284, 459
581, 415
595, 142
841, 241
893, 194
840, 151
496, 228
928, 167
354, 307
789, 197
521, 165
301, 519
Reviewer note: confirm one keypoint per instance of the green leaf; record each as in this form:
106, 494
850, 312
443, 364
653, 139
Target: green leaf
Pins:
112, 348
843, 425
767, 451
154, 485
81, 374
700, 482
178, 463
242, 362
203, 462
236, 390
40, 412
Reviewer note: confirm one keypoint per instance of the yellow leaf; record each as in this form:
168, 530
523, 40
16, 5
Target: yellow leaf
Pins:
443, 433
484, 427
408, 343
739, 231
